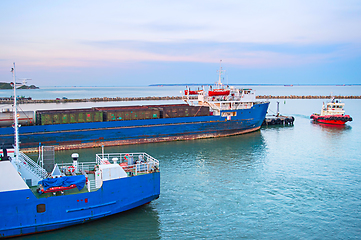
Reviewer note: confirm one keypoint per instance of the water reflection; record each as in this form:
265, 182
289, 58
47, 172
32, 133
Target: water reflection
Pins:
332, 131
217, 152
202, 182
140, 223
332, 128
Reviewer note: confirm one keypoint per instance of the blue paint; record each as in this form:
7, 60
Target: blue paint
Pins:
19, 214
245, 119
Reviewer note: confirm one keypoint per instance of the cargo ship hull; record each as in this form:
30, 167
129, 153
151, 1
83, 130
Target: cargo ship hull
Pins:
23, 213
137, 131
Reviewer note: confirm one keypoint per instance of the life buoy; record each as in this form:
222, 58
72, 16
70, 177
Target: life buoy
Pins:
126, 157
71, 169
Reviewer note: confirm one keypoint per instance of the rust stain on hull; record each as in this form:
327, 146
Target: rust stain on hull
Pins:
76, 145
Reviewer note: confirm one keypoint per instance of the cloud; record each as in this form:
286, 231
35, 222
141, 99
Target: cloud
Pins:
246, 34
243, 54
254, 55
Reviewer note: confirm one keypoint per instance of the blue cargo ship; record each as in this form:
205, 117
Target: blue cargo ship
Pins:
47, 196
208, 112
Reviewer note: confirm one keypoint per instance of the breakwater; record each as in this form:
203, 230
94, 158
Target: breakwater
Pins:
150, 98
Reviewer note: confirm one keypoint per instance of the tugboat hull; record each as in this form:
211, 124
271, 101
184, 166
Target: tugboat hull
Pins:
331, 119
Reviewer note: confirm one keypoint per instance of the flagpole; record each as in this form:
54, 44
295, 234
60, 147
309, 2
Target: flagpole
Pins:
16, 124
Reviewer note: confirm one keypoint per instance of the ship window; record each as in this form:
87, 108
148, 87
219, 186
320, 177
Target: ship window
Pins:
40, 208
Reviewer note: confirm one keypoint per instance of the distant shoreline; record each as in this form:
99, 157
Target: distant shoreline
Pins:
253, 84
8, 86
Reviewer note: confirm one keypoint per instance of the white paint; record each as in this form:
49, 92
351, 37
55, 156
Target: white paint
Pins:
112, 171
10, 180
107, 172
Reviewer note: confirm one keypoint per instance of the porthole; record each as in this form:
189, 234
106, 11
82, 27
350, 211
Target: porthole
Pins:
40, 208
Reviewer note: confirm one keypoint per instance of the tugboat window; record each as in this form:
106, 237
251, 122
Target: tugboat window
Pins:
40, 208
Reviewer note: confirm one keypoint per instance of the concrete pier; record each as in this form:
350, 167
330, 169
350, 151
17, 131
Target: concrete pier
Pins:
278, 120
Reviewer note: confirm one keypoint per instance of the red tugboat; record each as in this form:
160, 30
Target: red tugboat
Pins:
333, 113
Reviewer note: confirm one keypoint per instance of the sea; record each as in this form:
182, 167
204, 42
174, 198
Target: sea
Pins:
282, 182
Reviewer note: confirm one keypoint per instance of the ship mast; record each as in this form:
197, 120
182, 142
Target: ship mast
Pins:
16, 124
220, 71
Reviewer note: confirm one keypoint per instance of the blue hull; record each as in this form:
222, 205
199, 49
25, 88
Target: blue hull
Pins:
19, 214
134, 131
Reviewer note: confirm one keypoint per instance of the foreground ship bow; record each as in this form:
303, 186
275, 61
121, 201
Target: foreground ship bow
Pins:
73, 193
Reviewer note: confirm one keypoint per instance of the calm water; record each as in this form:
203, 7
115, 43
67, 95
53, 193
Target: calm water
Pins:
294, 182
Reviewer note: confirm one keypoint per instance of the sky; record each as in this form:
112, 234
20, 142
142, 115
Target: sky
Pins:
137, 43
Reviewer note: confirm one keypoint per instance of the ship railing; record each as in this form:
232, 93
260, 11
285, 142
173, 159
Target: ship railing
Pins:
236, 105
81, 167
212, 105
28, 163
229, 105
132, 170
133, 163
125, 157
141, 168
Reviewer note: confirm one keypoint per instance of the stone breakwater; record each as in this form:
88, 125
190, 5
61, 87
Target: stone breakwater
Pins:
115, 99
